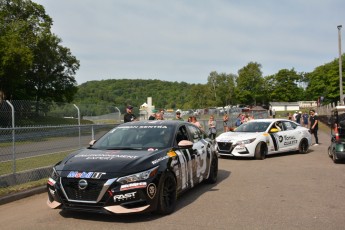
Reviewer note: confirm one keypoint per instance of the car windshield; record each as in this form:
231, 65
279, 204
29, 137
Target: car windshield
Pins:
253, 127
136, 137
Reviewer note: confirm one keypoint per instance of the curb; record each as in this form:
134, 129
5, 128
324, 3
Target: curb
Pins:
20, 195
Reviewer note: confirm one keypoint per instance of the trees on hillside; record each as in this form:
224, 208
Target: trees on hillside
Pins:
33, 63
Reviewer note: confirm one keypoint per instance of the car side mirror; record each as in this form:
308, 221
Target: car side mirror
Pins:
185, 144
274, 130
91, 143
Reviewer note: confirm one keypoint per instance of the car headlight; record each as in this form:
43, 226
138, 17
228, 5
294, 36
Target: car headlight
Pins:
244, 142
138, 176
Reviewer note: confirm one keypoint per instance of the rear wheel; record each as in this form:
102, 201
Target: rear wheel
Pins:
167, 194
260, 151
303, 146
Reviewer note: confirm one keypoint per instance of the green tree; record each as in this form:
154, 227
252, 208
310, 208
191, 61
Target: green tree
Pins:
250, 84
324, 81
33, 65
284, 86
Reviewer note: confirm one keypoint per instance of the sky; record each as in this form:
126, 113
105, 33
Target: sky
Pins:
186, 40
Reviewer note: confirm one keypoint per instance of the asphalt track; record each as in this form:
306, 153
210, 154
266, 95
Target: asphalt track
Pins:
288, 191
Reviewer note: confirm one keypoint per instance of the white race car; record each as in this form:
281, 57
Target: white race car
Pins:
259, 138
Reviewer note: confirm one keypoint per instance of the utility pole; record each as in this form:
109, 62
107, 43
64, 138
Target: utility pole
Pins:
340, 68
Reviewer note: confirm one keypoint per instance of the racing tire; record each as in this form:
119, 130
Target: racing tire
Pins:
167, 195
334, 158
212, 177
260, 151
330, 152
303, 146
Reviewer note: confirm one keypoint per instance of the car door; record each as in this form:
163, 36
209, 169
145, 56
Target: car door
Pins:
280, 135
291, 135
186, 158
200, 154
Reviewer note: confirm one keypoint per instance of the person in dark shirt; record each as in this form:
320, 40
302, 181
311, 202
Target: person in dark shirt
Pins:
129, 116
298, 117
314, 125
178, 116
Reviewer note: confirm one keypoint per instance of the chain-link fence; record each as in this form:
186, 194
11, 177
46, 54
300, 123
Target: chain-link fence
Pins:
34, 136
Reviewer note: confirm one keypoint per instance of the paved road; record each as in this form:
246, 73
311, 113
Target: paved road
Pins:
281, 192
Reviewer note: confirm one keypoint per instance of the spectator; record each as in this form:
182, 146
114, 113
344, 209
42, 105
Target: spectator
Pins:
225, 122
129, 116
178, 116
159, 116
305, 118
196, 122
212, 127
294, 116
152, 116
298, 117
238, 120
314, 125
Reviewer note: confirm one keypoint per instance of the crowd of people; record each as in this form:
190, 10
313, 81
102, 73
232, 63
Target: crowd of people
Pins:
303, 118
310, 121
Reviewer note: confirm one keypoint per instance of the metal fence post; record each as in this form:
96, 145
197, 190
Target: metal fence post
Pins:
78, 124
13, 138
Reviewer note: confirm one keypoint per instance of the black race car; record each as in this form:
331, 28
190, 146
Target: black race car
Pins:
139, 166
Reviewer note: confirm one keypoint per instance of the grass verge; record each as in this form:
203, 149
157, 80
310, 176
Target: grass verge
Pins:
32, 162
22, 187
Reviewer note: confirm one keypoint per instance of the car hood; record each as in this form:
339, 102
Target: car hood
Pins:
236, 136
119, 162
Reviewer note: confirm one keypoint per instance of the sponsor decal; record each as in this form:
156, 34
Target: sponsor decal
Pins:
133, 186
281, 138
151, 190
92, 175
126, 196
51, 182
289, 140
159, 160
51, 191
265, 134
104, 156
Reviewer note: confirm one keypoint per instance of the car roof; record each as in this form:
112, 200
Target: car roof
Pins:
339, 108
269, 120
155, 123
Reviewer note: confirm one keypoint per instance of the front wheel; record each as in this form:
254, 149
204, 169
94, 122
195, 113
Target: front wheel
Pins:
334, 157
303, 146
260, 151
330, 152
167, 194
212, 178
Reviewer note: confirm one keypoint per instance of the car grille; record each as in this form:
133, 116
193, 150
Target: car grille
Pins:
90, 193
225, 147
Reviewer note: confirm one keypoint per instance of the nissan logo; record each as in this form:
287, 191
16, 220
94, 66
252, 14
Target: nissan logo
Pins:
82, 184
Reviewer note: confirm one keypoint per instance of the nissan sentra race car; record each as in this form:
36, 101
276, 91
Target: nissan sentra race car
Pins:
136, 167
262, 137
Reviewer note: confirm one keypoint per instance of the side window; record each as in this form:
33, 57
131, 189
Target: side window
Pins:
195, 133
289, 125
278, 125
181, 134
